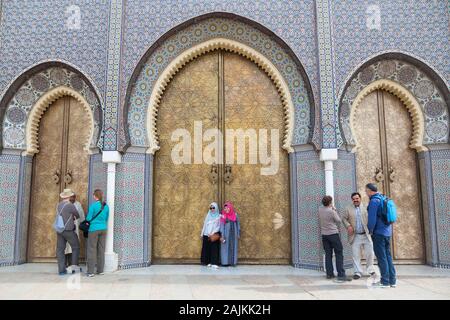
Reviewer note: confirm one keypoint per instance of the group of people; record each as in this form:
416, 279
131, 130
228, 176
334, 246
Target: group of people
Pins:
68, 242
366, 229
220, 234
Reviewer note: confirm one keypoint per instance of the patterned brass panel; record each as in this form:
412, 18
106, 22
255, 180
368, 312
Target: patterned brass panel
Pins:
45, 192
389, 148
77, 158
407, 234
368, 155
62, 133
252, 102
183, 192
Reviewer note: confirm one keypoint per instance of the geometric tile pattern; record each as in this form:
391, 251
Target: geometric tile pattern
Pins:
327, 105
112, 84
291, 21
33, 32
36, 32
25, 212
416, 28
9, 183
429, 97
98, 174
344, 186
440, 166
198, 33
20, 105
129, 227
310, 188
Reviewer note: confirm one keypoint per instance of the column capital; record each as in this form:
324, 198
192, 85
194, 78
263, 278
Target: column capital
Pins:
111, 157
328, 154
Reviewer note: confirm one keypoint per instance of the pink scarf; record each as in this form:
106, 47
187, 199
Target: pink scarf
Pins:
231, 215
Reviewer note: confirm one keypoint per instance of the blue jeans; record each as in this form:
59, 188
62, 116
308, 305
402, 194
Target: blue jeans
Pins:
382, 249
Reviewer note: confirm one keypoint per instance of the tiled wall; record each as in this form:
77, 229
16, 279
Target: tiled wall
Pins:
440, 167
9, 184
307, 190
131, 228
32, 32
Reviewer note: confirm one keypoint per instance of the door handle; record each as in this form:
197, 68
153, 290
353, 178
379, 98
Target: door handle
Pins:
228, 176
57, 176
392, 174
68, 177
214, 174
379, 176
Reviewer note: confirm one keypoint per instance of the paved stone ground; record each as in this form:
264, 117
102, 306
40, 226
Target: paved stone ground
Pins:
40, 281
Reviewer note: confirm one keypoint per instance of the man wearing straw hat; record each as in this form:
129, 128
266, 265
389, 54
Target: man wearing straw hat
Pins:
80, 210
69, 213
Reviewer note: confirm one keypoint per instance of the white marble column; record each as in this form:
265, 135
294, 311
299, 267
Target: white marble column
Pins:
111, 258
328, 156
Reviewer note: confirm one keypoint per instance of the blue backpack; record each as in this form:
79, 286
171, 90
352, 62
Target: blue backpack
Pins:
388, 210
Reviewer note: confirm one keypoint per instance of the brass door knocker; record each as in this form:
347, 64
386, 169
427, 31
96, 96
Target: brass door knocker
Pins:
68, 177
379, 176
214, 175
392, 174
57, 176
228, 177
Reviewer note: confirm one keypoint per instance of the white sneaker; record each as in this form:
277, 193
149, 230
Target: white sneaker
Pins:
209, 265
214, 266
380, 285
91, 275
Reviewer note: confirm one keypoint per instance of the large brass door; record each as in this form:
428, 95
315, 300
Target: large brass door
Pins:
252, 103
183, 192
383, 130
221, 91
60, 163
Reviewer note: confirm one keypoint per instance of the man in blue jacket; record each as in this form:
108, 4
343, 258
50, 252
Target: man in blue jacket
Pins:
381, 236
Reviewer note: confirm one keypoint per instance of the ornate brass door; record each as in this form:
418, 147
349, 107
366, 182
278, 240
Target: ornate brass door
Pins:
252, 103
183, 192
61, 163
223, 91
383, 129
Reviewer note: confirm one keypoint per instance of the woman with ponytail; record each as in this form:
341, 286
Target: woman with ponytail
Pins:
98, 224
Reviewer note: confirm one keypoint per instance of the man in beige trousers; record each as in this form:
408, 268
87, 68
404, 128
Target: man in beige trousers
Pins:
355, 220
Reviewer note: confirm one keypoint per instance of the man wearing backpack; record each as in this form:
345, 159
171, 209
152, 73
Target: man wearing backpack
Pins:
381, 233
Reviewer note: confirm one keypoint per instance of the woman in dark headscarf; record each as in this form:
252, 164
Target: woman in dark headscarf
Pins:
230, 231
210, 235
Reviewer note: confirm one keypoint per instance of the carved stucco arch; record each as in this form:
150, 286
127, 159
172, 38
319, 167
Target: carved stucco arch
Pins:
38, 109
232, 46
409, 101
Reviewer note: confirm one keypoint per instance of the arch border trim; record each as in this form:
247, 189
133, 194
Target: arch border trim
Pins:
38, 109
203, 48
410, 102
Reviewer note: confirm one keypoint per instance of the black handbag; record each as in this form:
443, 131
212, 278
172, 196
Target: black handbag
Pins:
84, 225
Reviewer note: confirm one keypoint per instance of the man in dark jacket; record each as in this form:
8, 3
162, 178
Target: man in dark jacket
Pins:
381, 236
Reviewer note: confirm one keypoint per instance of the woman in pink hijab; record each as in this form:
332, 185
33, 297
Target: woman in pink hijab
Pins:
230, 231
